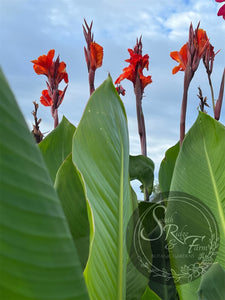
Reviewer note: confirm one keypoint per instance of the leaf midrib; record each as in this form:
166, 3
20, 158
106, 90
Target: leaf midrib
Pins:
120, 254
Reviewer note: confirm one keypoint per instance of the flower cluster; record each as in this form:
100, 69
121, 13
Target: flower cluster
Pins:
197, 48
137, 63
55, 72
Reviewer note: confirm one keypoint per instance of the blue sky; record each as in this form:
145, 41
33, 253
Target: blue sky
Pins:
29, 28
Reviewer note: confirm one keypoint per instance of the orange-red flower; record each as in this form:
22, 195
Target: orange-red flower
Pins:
202, 41
195, 48
136, 66
46, 99
93, 54
54, 70
44, 63
221, 11
181, 58
96, 56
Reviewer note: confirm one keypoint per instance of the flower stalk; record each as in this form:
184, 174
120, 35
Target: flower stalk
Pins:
93, 55
134, 73
55, 72
189, 58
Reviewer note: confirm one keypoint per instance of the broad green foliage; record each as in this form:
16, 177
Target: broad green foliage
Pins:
161, 288
142, 168
167, 167
38, 259
136, 282
200, 172
57, 146
101, 153
50, 233
212, 284
70, 188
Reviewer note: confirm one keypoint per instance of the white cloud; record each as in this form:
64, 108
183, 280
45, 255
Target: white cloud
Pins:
178, 24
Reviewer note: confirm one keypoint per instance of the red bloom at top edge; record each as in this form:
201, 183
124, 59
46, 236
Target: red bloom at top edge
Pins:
136, 66
221, 11
54, 70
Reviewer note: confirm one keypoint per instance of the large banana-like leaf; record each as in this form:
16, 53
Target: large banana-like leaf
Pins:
136, 282
57, 146
38, 259
101, 153
213, 284
70, 189
200, 172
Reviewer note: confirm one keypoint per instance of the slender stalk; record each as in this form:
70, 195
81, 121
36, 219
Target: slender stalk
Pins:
140, 117
141, 122
91, 81
184, 108
55, 116
212, 92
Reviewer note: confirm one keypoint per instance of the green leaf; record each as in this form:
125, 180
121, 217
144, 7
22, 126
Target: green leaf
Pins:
38, 259
200, 172
57, 146
163, 287
142, 168
150, 295
136, 282
213, 284
167, 167
101, 153
70, 188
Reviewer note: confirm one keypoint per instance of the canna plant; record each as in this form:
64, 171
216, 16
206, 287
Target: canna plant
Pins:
68, 211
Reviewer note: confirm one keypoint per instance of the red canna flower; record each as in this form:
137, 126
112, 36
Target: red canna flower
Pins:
181, 58
55, 72
137, 64
202, 41
221, 11
197, 46
93, 54
52, 69
134, 73
96, 56
43, 65
45, 99
189, 56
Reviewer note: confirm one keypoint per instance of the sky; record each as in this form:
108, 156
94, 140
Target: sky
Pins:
30, 28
